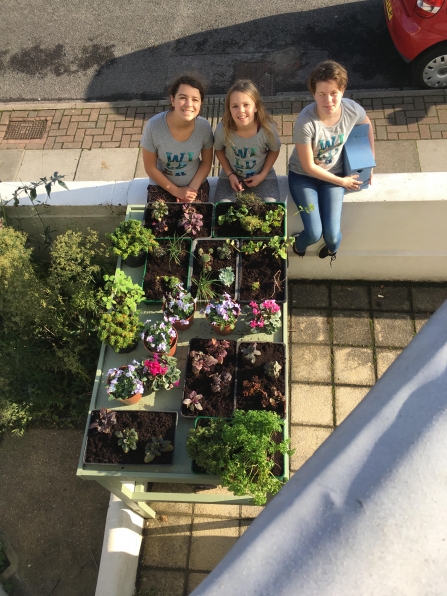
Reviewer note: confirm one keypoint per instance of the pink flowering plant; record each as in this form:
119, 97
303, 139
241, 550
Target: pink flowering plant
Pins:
178, 305
125, 382
157, 336
264, 317
160, 371
222, 312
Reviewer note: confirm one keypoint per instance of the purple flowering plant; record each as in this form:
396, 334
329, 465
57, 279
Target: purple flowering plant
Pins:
178, 304
123, 383
222, 311
157, 336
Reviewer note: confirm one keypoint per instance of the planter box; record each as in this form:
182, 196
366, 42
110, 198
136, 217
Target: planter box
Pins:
262, 267
175, 215
216, 405
154, 268
101, 447
270, 352
217, 264
235, 230
280, 470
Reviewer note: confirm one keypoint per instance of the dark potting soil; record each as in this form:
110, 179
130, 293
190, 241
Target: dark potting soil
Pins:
103, 448
216, 265
254, 374
175, 215
214, 404
235, 230
159, 266
268, 270
278, 458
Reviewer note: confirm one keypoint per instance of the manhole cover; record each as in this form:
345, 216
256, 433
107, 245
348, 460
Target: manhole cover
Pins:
24, 130
261, 73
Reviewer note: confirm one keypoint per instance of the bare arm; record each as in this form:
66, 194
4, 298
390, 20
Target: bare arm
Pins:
150, 165
270, 159
203, 169
306, 158
234, 180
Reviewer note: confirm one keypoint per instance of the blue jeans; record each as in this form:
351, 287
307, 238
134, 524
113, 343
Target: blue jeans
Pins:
324, 220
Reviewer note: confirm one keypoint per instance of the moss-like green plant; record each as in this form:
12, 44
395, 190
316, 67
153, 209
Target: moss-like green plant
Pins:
240, 450
119, 330
130, 238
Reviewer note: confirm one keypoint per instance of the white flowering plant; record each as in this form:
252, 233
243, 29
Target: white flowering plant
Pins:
178, 305
158, 336
124, 382
222, 312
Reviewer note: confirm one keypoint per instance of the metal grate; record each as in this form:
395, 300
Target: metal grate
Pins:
24, 130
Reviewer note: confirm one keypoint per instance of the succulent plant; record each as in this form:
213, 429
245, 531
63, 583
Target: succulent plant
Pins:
226, 276
272, 369
224, 251
155, 447
127, 439
193, 401
107, 418
249, 353
205, 258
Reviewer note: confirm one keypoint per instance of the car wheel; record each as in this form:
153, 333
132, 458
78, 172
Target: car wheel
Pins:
430, 68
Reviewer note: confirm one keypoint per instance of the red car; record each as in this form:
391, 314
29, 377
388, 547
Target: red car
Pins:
418, 29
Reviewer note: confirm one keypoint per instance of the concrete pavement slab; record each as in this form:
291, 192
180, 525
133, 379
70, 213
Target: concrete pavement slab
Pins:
212, 538
346, 399
159, 582
394, 330
350, 297
393, 157
10, 160
310, 296
385, 358
167, 541
432, 154
309, 326
306, 440
311, 404
388, 298
39, 163
428, 299
194, 580
310, 363
419, 321
107, 164
352, 328
354, 366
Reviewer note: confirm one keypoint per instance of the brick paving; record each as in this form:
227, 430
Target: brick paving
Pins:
395, 116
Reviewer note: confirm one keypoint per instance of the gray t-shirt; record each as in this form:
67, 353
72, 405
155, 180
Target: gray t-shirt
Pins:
327, 141
246, 156
177, 160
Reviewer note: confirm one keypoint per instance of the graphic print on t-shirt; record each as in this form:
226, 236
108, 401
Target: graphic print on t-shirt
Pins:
176, 163
244, 166
328, 149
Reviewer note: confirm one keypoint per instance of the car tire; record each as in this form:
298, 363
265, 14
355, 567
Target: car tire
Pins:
430, 67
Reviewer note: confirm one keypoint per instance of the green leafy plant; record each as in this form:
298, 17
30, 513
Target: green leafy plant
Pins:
242, 213
174, 249
119, 330
159, 210
127, 439
248, 198
255, 286
224, 251
156, 447
226, 276
279, 246
192, 401
121, 293
252, 247
240, 450
130, 238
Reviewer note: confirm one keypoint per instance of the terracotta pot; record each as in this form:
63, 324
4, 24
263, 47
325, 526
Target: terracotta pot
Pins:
131, 400
171, 351
183, 326
227, 330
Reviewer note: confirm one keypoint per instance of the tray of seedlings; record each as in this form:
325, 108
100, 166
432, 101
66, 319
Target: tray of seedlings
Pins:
214, 268
261, 377
263, 269
249, 217
179, 219
170, 259
130, 437
209, 379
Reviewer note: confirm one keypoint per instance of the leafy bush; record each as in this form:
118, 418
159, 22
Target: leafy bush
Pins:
130, 238
240, 450
48, 315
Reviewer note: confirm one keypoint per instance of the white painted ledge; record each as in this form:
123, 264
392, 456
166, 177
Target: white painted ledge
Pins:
120, 550
395, 230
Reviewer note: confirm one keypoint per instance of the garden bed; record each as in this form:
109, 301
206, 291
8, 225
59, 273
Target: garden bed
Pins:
254, 389
157, 267
175, 215
220, 404
214, 266
103, 448
265, 269
236, 230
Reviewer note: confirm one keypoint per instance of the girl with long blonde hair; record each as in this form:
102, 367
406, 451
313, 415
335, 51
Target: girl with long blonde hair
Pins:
247, 145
